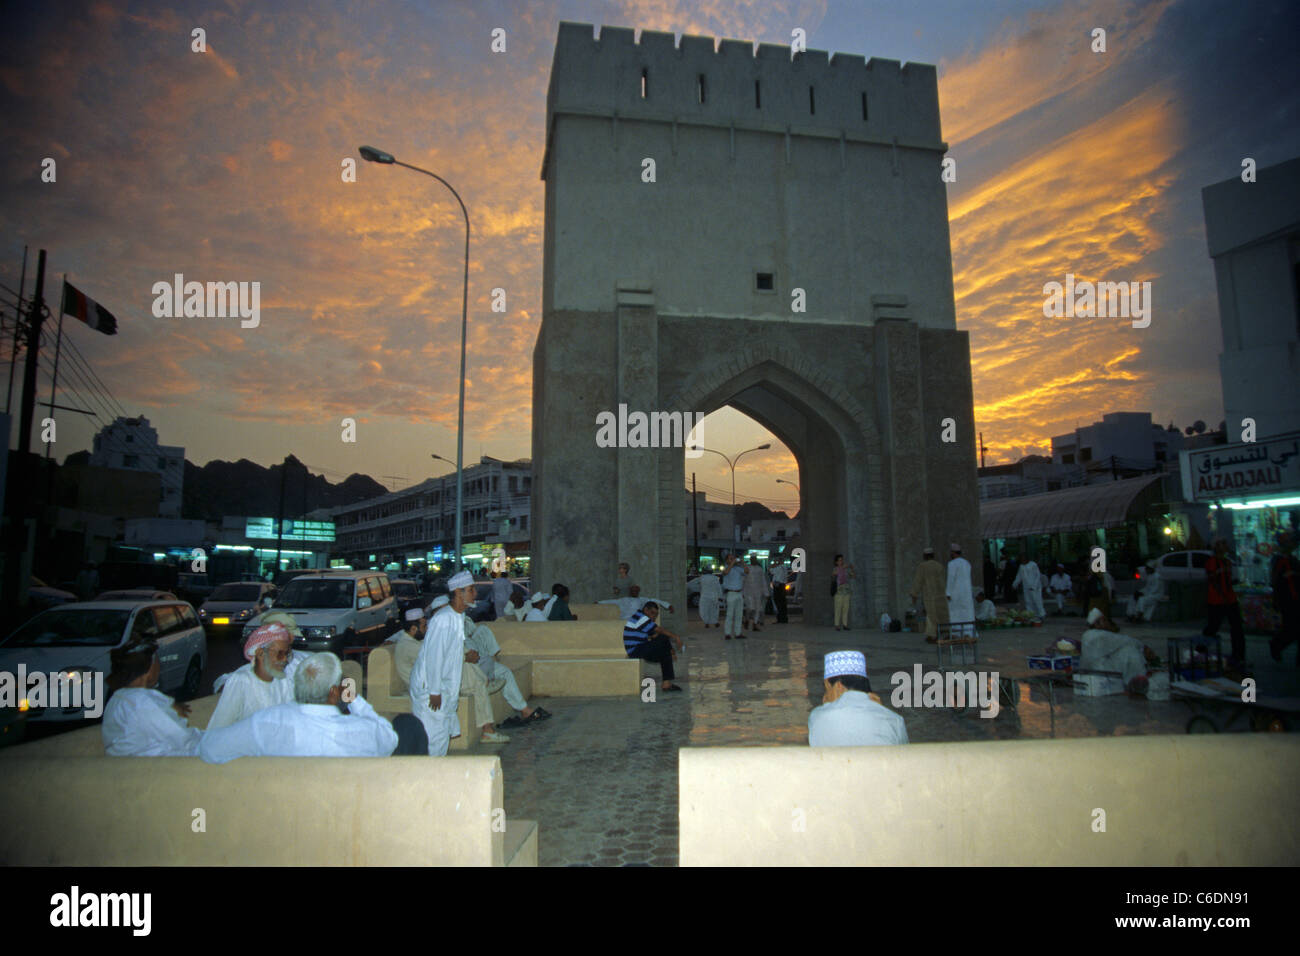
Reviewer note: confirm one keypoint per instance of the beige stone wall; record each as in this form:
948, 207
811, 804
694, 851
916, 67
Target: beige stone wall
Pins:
1188, 800
139, 811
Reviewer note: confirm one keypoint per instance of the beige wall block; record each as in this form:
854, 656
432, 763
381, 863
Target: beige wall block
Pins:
1186, 800
139, 811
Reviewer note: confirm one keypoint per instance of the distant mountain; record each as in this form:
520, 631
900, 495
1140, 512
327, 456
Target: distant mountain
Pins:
244, 487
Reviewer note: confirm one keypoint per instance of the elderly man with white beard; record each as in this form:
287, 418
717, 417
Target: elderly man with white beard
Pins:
260, 683
436, 676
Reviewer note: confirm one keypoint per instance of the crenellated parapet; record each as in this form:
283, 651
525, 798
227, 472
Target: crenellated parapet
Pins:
730, 83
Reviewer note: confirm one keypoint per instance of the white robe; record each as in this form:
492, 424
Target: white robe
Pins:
244, 694
303, 730
1030, 579
710, 596
1061, 587
986, 611
437, 671
961, 601
140, 722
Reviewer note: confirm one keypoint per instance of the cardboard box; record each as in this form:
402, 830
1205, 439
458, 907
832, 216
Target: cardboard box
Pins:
1097, 685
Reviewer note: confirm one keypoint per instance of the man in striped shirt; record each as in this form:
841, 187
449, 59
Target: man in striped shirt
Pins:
644, 639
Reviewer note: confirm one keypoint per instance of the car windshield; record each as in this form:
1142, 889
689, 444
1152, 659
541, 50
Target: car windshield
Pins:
404, 589
316, 592
72, 627
236, 592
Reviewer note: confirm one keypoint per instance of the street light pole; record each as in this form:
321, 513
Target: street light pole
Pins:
370, 154
782, 481
731, 463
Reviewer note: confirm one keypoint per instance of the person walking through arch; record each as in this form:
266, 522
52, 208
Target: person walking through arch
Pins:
841, 575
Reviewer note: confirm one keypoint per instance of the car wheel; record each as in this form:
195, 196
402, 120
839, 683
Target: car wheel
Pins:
1201, 724
193, 678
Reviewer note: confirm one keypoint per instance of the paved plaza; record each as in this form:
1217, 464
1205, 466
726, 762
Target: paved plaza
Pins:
601, 776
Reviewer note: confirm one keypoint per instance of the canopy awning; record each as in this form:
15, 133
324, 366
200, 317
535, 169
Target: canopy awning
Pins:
1070, 509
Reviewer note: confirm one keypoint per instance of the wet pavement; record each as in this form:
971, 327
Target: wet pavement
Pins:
600, 777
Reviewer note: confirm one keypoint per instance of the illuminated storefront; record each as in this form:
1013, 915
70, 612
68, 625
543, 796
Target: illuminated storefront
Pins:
1253, 492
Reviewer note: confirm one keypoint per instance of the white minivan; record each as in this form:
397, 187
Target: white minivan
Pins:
79, 637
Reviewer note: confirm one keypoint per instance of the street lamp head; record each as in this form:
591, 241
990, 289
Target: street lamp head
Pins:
761, 447
372, 155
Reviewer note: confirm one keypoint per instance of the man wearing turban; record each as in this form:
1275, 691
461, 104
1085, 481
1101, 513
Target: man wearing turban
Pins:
260, 683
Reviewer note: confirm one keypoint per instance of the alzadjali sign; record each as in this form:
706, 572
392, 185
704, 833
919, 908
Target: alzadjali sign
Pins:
1247, 469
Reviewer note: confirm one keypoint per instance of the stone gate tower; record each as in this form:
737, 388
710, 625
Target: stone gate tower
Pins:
774, 178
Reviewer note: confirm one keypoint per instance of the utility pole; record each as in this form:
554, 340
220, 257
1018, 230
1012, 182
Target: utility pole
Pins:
20, 491
279, 521
18, 316
695, 519
982, 449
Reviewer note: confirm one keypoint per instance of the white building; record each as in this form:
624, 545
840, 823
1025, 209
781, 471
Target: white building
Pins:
132, 443
1121, 445
418, 524
1253, 233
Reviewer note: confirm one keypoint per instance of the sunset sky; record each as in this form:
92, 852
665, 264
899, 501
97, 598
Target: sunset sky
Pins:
225, 165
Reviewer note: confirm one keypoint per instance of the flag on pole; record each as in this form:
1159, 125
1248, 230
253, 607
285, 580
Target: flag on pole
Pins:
83, 307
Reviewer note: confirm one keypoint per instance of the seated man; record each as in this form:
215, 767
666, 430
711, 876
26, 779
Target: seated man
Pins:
1153, 592
406, 643
540, 607
643, 638
560, 608
852, 716
516, 607
984, 608
140, 721
1105, 649
627, 606
261, 682
1060, 587
480, 639
318, 724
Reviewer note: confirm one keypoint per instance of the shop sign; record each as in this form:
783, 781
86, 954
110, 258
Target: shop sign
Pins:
1246, 469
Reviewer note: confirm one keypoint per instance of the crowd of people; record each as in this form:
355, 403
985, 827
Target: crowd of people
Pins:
285, 703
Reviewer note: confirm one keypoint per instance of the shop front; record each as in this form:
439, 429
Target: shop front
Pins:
1252, 493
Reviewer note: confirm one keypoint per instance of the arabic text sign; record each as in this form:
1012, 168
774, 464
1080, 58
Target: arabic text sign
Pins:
294, 530
1245, 470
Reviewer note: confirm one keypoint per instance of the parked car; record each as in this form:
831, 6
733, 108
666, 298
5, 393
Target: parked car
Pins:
137, 594
193, 588
408, 595
43, 596
77, 639
1183, 565
231, 605
483, 609
337, 609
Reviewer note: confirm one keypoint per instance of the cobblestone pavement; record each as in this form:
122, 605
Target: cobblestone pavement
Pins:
600, 777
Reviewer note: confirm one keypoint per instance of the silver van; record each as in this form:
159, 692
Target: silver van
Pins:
337, 609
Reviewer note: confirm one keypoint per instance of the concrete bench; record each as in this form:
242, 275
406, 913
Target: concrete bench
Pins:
143, 811
572, 658
1185, 800
389, 694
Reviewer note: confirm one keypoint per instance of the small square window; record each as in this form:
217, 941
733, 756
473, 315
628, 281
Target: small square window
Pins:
764, 282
